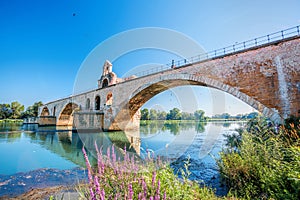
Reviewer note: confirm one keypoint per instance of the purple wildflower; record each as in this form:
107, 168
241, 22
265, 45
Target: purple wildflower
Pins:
89, 168
130, 192
102, 196
99, 160
153, 178
92, 193
144, 188
158, 189
165, 195
98, 191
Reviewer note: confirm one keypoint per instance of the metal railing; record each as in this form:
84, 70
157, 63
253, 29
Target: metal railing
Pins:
242, 46
273, 37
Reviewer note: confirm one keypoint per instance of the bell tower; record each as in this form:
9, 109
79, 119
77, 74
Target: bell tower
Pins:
108, 77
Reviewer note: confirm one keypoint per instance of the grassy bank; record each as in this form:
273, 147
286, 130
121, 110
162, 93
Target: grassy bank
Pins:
11, 120
263, 161
131, 179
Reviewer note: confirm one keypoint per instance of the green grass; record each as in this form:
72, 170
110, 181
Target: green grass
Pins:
11, 121
263, 163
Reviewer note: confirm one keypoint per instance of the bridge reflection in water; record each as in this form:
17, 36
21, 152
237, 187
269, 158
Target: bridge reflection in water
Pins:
152, 137
68, 144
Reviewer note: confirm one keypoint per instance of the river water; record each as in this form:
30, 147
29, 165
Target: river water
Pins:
34, 156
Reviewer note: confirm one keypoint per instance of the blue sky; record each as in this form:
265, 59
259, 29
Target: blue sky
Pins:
43, 43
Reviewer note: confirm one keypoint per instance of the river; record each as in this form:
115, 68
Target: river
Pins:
34, 156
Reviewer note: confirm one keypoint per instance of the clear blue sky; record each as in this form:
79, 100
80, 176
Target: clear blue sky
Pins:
43, 43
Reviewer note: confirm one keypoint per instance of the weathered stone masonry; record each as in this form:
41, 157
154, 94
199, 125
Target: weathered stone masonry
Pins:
266, 77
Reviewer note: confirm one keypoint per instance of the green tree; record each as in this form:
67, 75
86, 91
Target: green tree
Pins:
187, 116
5, 111
32, 111
174, 114
199, 115
17, 109
162, 115
145, 114
153, 114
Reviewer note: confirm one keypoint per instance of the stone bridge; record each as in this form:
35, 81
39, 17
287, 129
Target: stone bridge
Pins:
265, 76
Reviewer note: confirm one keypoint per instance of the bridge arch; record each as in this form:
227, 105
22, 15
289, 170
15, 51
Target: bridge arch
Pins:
45, 111
88, 104
105, 83
109, 99
66, 115
97, 102
141, 95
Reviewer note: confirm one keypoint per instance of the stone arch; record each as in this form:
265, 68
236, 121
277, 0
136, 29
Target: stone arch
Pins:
109, 99
97, 102
66, 115
105, 83
45, 111
88, 104
147, 91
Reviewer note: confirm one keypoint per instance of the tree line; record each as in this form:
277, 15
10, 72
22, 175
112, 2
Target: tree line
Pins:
174, 114
238, 116
16, 110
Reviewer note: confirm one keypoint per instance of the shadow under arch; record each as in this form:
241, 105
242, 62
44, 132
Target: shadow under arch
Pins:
140, 96
45, 111
66, 115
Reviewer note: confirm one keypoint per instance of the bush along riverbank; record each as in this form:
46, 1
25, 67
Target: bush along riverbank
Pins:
263, 161
132, 179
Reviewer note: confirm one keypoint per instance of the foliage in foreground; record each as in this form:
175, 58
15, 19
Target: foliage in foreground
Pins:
263, 161
130, 179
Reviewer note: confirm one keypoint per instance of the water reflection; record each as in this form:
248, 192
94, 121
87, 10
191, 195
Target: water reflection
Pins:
153, 126
8, 126
49, 147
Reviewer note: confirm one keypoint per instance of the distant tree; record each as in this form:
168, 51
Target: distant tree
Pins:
5, 111
162, 115
252, 115
239, 116
187, 116
17, 109
199, 115
145, 114
174, 114
225, 116
222, 116
35, 108
32, 111
153, 114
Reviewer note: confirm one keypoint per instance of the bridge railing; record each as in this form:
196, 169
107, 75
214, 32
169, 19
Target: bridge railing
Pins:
273, 37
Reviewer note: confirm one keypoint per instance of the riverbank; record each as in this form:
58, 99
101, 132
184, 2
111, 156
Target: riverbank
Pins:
11, 120
51, 180
57, 192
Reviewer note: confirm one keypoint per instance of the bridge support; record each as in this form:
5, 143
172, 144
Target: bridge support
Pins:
88, 121
46, 121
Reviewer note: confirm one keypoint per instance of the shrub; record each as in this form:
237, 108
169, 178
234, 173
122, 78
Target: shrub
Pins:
129, 178
265, 165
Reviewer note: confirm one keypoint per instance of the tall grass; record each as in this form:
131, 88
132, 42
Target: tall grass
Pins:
130, 178
263, 162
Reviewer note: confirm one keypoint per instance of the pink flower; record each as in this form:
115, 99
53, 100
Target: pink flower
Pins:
89, 168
